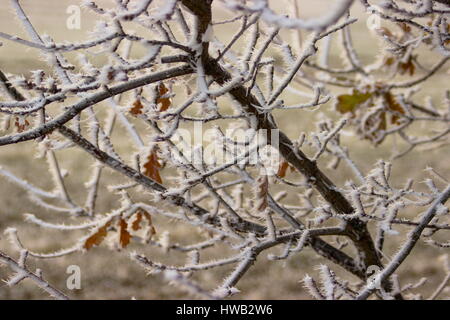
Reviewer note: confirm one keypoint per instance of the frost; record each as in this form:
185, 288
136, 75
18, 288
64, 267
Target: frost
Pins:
154, 133
441, 210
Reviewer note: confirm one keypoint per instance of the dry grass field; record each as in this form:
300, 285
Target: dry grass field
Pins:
110, 274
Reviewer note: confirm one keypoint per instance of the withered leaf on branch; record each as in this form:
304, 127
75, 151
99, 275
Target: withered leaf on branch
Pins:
394, 106
374, 127
137, 108
136, 224
21, 124
385, 32
282, 168
151, 226
97, 238
152, 166
371, 126
124, 235
404, 27
284, 165
407, 66
349, 102
397, 65
151, 230
162, 101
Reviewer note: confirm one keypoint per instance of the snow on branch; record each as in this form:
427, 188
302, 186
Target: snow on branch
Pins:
245, 141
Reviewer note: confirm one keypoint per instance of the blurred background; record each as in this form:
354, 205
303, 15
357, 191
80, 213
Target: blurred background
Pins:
110, 274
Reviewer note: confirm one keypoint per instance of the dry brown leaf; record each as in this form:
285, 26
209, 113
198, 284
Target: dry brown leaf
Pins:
124, 235
97, 238
152, 166
350, 102
21, 124
375, 127
152, 229
162, 101
405, 27
385, 32
388, 61
137, 108
136, 225
407, 67
393, 105
282, 169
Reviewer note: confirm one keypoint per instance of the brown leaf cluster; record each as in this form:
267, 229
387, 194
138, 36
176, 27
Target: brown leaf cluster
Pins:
124, 226
371, 127
152, 166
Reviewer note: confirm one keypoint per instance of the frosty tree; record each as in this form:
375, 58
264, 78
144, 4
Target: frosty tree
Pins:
236, 183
